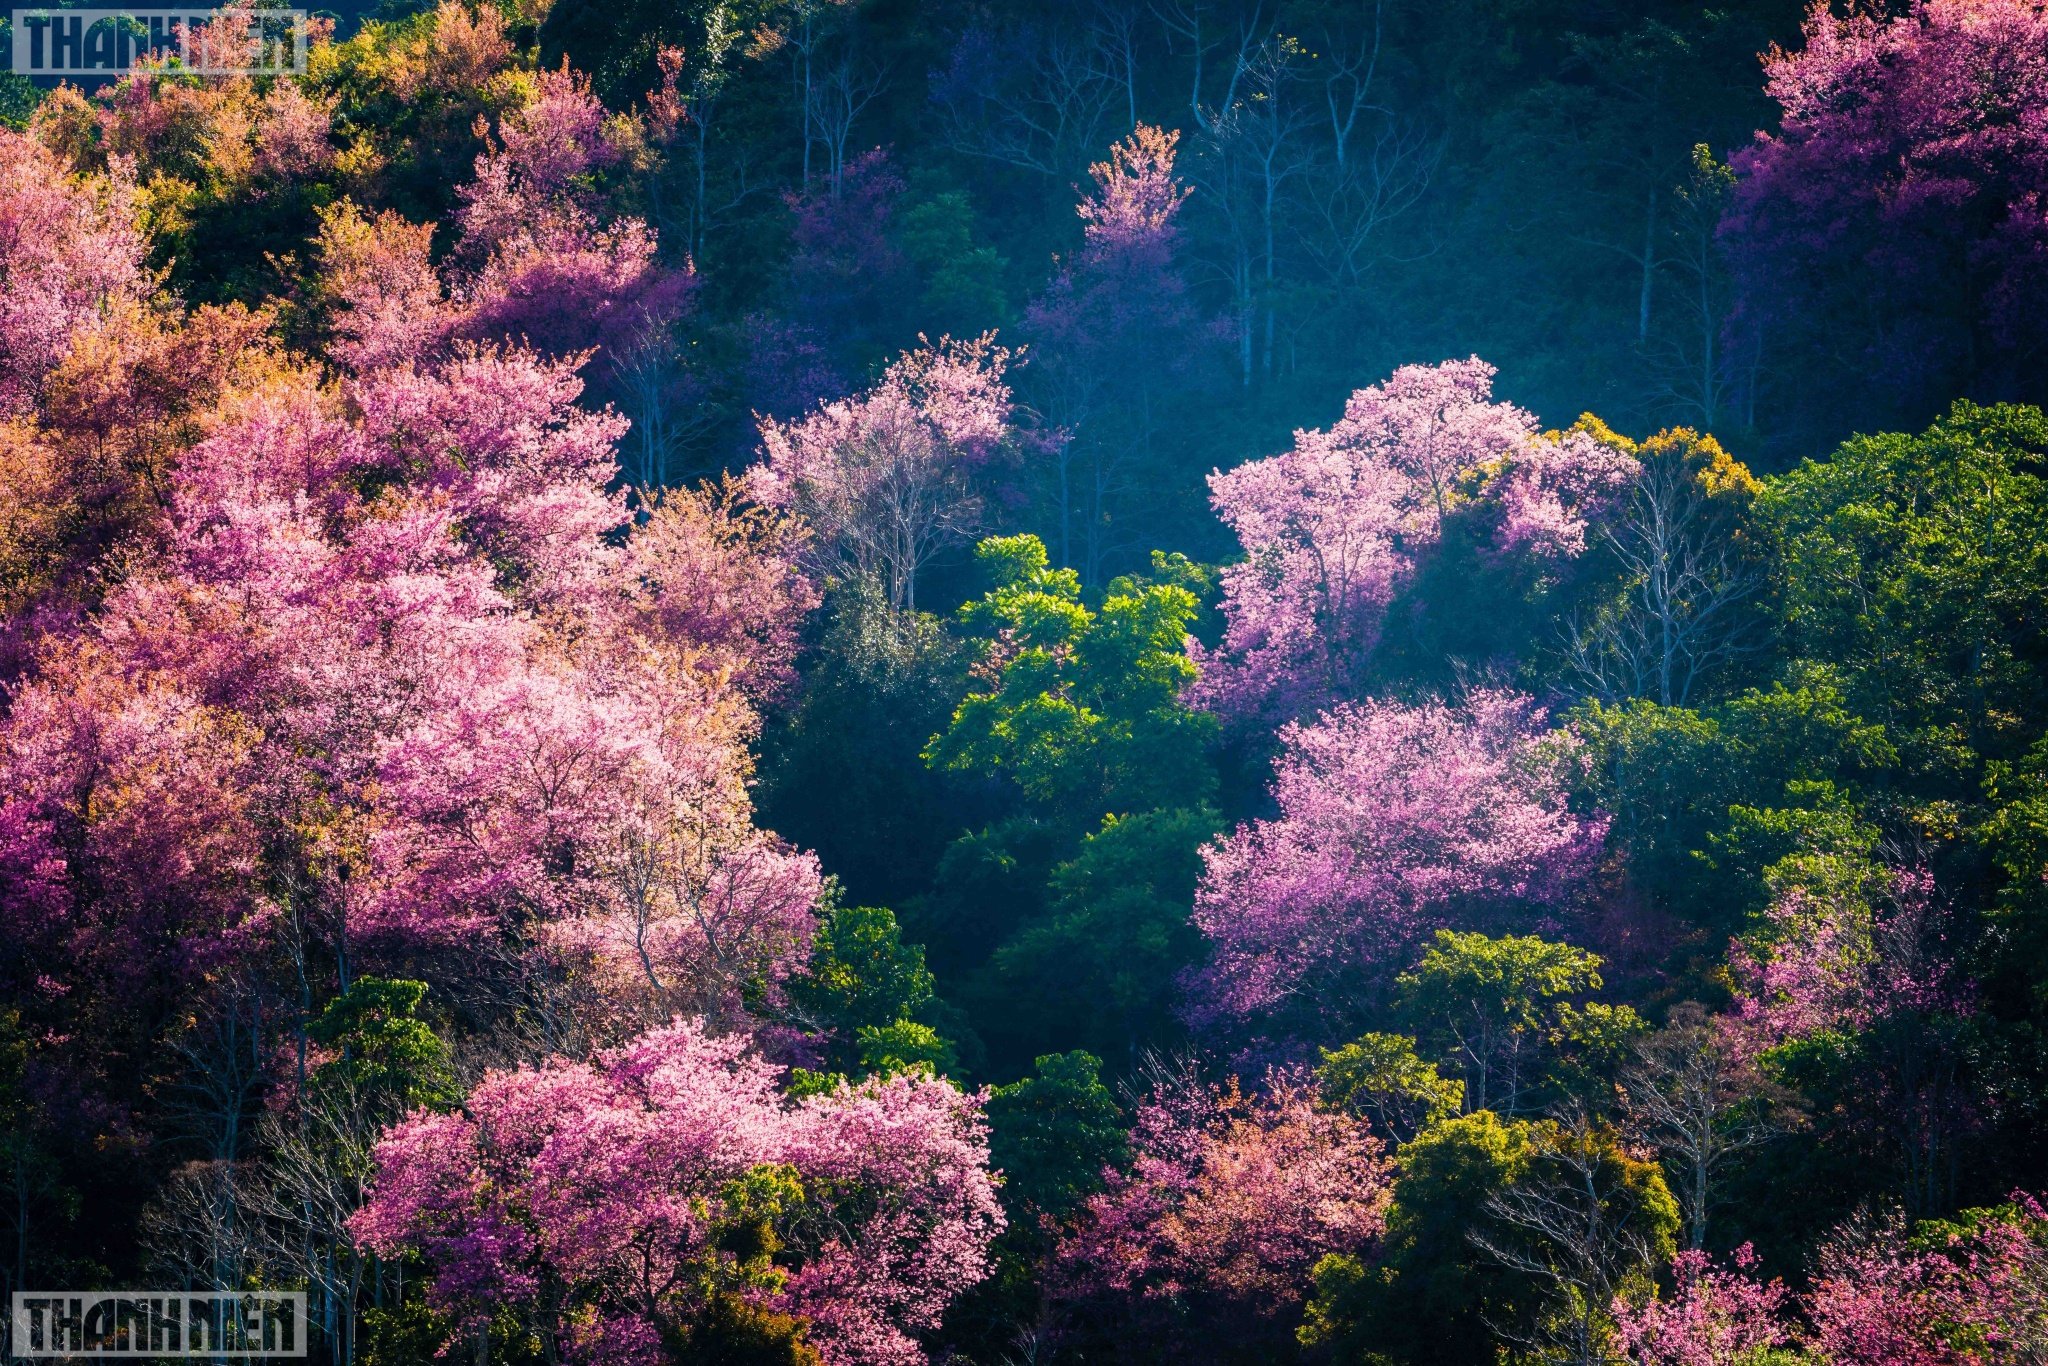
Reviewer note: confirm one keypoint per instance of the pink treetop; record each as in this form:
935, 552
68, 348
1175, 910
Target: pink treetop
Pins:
525, 470
612, 1180
886, 479
537, 267
293, 135
70, 247
1877, 1300
391, 307
1136, 193
544, 149
1229, 1202
720, 577
1838, 962
1330, 530
430, 691
1719, 1317
1552, 487
1912, 170
1120, 302
1391, 820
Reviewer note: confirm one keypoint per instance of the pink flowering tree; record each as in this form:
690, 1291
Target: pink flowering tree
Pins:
1552, 489
1331, 530
1392, 822
534, 262
1903, 204
70, 249
1113, 334
891, 477
633, 1208
1971, 1293
440, 703
1229, 1201
1858, 984
850, 283
1718, 1316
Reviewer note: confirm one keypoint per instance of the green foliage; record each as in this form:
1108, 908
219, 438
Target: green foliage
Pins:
1099, 967
1675, 780
963, 292
842, 773
1381, 1077
387, 1056
873, 993
987, 884
1917, 564
1504, 1015
732, 1332
1053, 1133
862, 973
1430, 1296
904, 1046
401, 1335
1080, 708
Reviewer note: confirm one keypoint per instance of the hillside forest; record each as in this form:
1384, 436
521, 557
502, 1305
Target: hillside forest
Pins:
879, 682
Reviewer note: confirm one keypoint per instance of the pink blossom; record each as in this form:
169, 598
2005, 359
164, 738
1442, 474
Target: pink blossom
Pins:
1229, 1202
611, 1179
1331, 529
1392, 821
1718, 1317
887, 479
70, 247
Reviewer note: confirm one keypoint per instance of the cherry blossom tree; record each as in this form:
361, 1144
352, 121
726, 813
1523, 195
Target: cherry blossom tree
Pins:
1331, 529
1867, 964
1392, 822
1229, 1202
621, 1207
1717, 1316
891, 477
433, 699
534, 263
1968, 1294
1112, 336
70, 248
1901, 203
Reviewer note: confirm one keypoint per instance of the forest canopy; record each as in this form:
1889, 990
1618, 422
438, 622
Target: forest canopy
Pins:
868, 682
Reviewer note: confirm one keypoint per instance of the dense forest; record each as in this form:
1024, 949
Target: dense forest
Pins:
868, 682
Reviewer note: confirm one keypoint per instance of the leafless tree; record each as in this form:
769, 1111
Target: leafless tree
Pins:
655, 393
1574, 1227
837, 97
1688, 579
1694, 1097
1037, 97
1194, 25
199, 1233
1695, 373
222, 1072
1114, 26
1349, 202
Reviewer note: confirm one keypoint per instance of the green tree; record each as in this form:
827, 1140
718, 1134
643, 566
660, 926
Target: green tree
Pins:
1098, 968
1430, 1297
386, 1056
1916, 564
1053, 1132
841, 772
1080, 706
1383, 1078
1509, 1017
